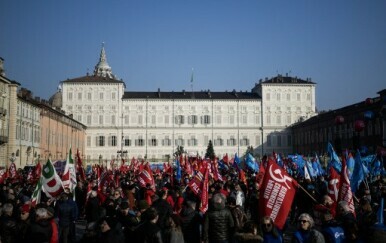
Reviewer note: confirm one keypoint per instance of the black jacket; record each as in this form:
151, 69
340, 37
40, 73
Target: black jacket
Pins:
8, 229
218, 224
39, 232
191, 221
148, 232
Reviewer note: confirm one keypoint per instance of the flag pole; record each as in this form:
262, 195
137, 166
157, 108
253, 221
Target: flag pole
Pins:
307, 193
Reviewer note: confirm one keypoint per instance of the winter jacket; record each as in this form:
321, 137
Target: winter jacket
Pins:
164, 211
218, 224
8, 229
40, 232
333, 232
148, 232
308, 236
67, 212
92, 209
191, 221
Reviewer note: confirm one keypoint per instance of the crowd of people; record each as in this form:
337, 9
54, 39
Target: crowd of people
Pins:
168, 211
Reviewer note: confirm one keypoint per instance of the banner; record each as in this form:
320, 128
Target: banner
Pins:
195, 184
276, 194
333, 188
204, 194
51, 182
345, 193
145, 176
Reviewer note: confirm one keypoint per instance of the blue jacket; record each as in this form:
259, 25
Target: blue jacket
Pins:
334, 234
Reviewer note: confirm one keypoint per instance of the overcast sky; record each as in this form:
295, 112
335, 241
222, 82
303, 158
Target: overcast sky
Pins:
231, 44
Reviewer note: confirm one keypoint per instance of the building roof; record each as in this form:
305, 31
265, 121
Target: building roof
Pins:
93, 79
201, 95
288, 80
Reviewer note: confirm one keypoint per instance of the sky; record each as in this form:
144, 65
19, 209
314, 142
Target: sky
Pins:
229, 44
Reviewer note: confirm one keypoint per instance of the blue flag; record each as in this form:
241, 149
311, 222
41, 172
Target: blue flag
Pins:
350, 165
237, 162
251, 163
334, 159
358, 174
178, 170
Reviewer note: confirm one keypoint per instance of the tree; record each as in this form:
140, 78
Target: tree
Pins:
210, 151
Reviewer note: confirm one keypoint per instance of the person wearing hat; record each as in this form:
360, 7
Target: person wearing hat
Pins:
23, 222
111, 231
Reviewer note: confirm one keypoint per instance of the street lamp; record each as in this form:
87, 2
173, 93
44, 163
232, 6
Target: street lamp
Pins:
100, 159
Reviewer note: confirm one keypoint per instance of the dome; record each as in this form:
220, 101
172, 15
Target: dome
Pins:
56, 99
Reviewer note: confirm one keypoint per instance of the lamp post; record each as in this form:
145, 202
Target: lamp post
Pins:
100, 159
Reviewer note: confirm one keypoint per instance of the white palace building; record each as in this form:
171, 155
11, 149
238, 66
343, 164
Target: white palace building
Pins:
152, 124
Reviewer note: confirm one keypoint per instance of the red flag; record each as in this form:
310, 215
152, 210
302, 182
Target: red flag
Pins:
242, 177
102, 177
145, 176
216, 174
195, 184
226, 159
188, 168
276, 194
204, 194
79, 166
260, 175
37, 171
345, 193
333, 188
123, 167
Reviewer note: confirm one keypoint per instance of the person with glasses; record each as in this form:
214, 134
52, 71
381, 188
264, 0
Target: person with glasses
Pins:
306, 232
270, 232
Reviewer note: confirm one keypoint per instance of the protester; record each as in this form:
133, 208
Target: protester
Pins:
218, 223
164, 209
348, 221
67, 214
249, 234
331, 229
23, 223
306, 232
173, 232
238, 214
40, 230
111, 231
191, 223
269, 231
8, 224
149, 231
